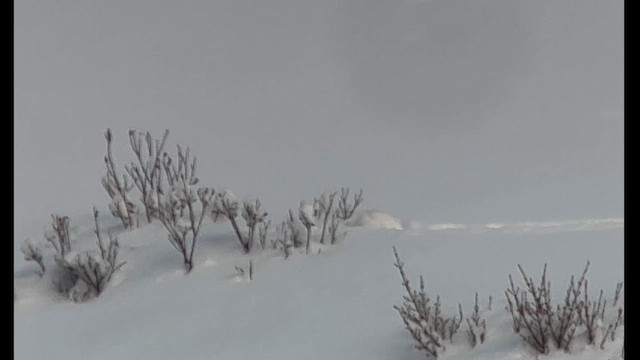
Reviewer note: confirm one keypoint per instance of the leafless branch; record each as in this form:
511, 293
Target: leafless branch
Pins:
345, 207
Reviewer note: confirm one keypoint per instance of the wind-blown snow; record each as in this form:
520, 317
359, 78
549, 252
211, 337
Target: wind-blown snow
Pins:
376, 220
523, 227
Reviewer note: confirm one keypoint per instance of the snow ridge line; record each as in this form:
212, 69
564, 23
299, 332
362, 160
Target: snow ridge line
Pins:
379, 220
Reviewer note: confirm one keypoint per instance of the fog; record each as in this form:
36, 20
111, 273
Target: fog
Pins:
441, 110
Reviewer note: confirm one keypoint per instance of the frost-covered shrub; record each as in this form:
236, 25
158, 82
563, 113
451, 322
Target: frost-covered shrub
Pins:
59, 237
86, 274
323, 208
423, 318
226, 204
253, 216
593, 316
295, 230
94, 270
263, 231
283, 239
118, 189
476, 325
346, 208
183, 171
546, 326
332, 218
181, 210
33, 253
147, 171
306, 216
334, 229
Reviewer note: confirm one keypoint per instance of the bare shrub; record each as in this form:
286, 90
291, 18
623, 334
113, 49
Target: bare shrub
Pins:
295, 233
63, 279
94, 271
33, 253
305, 214
283, 239
333, 218
346, 208
477, 326
425, 322
253, 216
263, 231
535, 318
334, 229
610, 334
60, 237
591, 313
544, 326
118, 189
616, 295
147, 172
324, 206
225, 204
184, 171
182, 210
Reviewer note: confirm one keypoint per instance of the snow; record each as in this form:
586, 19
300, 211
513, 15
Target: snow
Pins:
376, 220
333, 304
484, 135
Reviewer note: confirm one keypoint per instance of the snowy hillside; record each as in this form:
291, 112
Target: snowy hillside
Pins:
336, 304
485, 134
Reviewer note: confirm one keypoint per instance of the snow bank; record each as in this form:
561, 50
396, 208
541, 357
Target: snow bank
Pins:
376, 220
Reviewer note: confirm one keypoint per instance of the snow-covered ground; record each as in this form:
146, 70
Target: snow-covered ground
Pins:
335, 304
485, 134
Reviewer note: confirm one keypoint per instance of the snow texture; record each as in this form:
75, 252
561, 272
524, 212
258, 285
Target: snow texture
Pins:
333, 304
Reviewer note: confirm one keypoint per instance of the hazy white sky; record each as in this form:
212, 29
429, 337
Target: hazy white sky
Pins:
443, 110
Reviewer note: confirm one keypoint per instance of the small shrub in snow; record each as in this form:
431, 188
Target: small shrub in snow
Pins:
283, 239
93, 270
345, 207
424, 320
610, 334
182, 211
476, 326
305, 214
544, 326
33, 253
226, 204
534, 317
334, 229
253, 216
60, 237
332, 219
263, 231
184, 171
616, 295
593, 313
118, 189
146, 173
324, 207
295, 230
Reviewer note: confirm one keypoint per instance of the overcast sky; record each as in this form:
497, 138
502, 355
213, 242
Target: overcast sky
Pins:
441, 110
